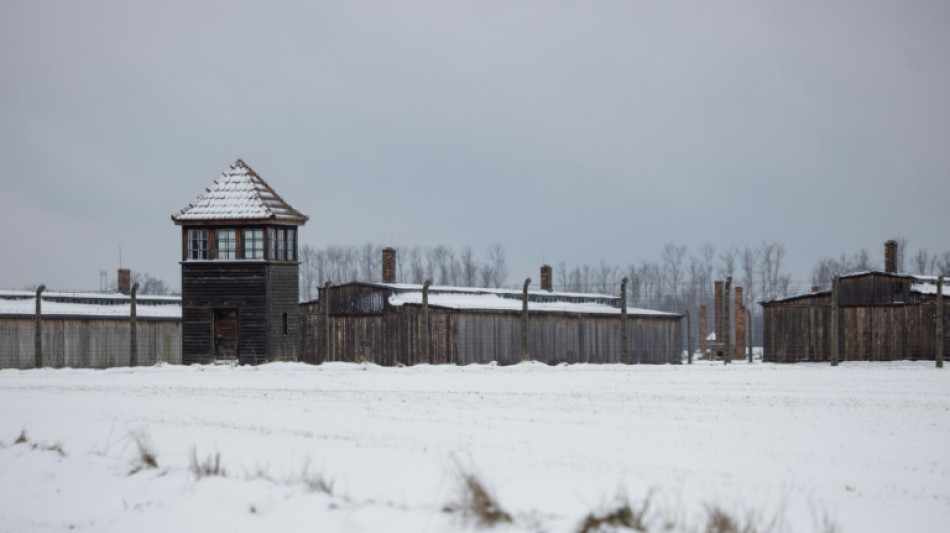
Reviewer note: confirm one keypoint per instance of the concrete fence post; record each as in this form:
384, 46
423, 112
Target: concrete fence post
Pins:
624, 332
426, 355
727, 353
524, 321
38, 329
133, 333
326, 321
835, 345
938, 341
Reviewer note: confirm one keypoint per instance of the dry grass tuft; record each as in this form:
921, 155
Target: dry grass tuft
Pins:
624, 515
315, 481
146, 457
211, 466
22, 438
477, 504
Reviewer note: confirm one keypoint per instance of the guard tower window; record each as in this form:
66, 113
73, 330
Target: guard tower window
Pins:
226, 245
281, 245
197, 244
254, 243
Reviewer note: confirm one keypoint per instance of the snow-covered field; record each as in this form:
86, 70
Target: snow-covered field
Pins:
865, 445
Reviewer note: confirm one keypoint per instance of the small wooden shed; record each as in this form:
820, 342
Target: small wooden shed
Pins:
382, 323
882, 316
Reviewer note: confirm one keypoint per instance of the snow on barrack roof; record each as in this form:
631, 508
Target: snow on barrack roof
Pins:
496, 302
111, 305
240, 194
509, 300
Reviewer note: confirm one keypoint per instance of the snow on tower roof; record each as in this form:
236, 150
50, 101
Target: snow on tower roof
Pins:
240, 194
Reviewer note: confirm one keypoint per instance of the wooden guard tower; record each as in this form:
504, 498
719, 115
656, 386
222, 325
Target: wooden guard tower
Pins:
239, 272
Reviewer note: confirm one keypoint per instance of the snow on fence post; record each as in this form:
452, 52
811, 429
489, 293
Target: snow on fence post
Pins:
624, 334
326, 321
834, 322
38, 330
524, 320
938, 342
133, 340
426, 356
748, 332
728, 319
689, 340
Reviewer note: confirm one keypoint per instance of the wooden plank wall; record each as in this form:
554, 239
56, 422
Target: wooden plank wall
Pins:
799, 332
209, 285
88, 342
394, 338
282, 297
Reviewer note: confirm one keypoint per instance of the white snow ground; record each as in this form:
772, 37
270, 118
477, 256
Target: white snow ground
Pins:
865, 444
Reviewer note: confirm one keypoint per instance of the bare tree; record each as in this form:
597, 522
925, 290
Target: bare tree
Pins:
750, 260
672, 258
469, 267
149, 284
902, 243
770, 270
417, 270
727, 262
499, 267
922, 262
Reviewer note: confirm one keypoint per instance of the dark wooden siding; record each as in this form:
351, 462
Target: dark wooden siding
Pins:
465, 337
80, 342
283, 310
874, 289
210, 285
799, 331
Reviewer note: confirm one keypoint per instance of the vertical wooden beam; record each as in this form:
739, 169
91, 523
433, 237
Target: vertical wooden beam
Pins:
835, 345
524, 321
133, 328
326, 321
689, 340
624, 332
426, 356
938, 342
727, 320
38, 329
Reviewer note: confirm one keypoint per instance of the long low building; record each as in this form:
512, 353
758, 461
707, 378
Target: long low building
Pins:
384, 323
88, 330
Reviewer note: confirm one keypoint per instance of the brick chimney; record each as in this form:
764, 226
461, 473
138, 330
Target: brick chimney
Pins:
890, 256
389, 265
546, 284
125, 281
719, 312
815, 288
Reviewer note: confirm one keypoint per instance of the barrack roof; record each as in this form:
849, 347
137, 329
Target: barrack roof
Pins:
240, 194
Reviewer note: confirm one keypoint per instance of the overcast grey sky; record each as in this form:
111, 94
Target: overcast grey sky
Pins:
570, 132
